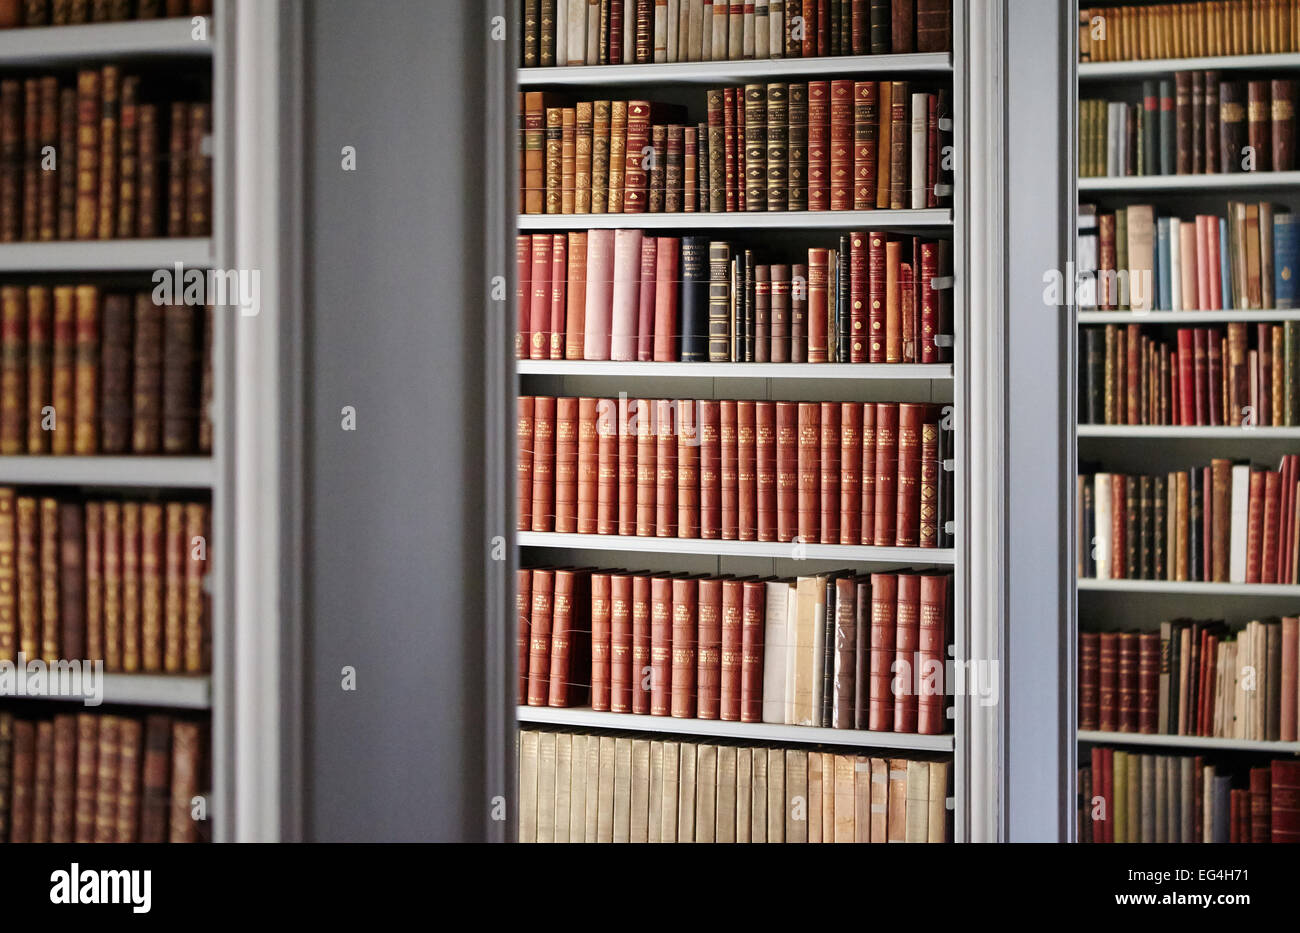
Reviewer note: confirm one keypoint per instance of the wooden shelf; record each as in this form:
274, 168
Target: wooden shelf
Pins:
748, 731
1189, 587
1219, 181
1093, 71
845, 371
166, 472
1185, 317
152, 38
1188, 741
104, 255
742, 220
173, 690
735, 71
1166, 432
712, 546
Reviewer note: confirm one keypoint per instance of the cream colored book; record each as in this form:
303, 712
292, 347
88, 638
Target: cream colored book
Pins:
724, 808
622, 789
918, 801
879, 800
896, 828
861, 799
936, 825
828, 797
814, 815
845, 799
808, 643
591, 821
795, 806
706, 793
655, 806
671, 783
775, 795
791, 654
744, 794
640, 819
578, 790
605, 811
775, 651
563, 784
528, 742
686, 792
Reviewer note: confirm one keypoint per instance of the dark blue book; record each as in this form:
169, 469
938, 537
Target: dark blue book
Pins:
1286, 260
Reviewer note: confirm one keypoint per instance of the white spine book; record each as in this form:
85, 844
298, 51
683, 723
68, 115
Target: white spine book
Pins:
593, 32
920, 120
1101, 526
776, 28
774, 652
672, 47
577, 24
1240, 522
561, 32
762, 28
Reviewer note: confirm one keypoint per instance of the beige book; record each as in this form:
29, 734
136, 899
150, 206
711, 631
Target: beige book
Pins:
918, 801
706, 792
576, 23
896, 825
687, 761
744, 794
605, 810
671, 783
861, 799
593, 32
1207, 807
775, 651
791, 655
719, 52
578, 789
936, 825
828, 797
814, 797
1141, 256
794, 803
879, 800
724, 808
775, 795
758, 799
845, 799
546, 788
736, 33
695, 32
528, 742
1134, 799
808, 640
639, 830
591, 819
655, 805
563, 784
622, 789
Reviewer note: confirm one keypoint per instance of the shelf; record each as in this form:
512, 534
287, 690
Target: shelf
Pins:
733, 71
762, 549
1188, 317
845, 371
1188, 741
716, 728
168, 472
104, 255
51, 45
1193, 183
181, 691
1091, 71
1167, 432
741, 220
1190, 587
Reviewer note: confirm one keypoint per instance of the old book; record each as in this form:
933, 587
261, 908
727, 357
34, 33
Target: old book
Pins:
187, 758
88, 153
64, 777
151, 587
147, 376
13, 370
107, 767
87, 773
63, 366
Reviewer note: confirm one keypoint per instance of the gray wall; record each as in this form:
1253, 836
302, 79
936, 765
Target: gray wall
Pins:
395, 509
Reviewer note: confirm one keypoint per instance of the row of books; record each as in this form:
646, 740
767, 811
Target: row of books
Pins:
1241, 374
834, 145
624, 32
1128, 796
86, 162
834, 650
626, 295
1137, 261
102, 777
86, 371
1193, 678
1195, 124
15, 13
1226, 523
1188, 30
117, 581
804, 472
584, 787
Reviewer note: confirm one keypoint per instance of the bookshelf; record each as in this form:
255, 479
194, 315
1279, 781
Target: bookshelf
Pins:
173, 691
138, 41
942, 383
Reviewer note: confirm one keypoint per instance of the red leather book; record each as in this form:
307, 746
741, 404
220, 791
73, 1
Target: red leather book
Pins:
887, 469
640, 644
524, 471
606, 466
626, 296
765, 470
850, 478
729, 506
932, 651
544, 463
1089, 673
622, 673
780, 351
1214, 375
559, 265
809, 501
1272, 523
588, 466
799, 313
929, 302
1148, 682
1284, 801
523, 292
809, 44
648, 299
818, 296
829, 480
819, 143
539, 315
539, 645
1127, 682
570, 639
661, 645
1203, 223
868, 496
708, 657
1201, 375
566, 465
1209, 667
908, 511
575, 320
787, 470
884, 599
685, 603
731, 634
858, 297
1259, 818
601, 671
907, 641
1264, 357
1186, 380
762, 313
841, 145
876, 296
932, 150
710, 453
666, 464
667, 263
746, 471
1108, 682
931, 468
688, 470
647, 471
866, 118
1255, 526
627, 470
753, 613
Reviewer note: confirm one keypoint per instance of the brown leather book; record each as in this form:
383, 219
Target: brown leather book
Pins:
115, 349
1233, 137
1282, 125
64, 780
178, 168
799, 313
106, 770
588, 466
819, 145
1127, 681
72, 581
151, 587
127, 158
88, 155
8, 575
11, 148
106, 219
710, 469
907, 528
570, 673
685, 609
845, 654
788, 454
66, 175
933, 25
1148, 682
777, 139
931, 466
112, 601
50, 560
131, 588
641, 643
63, 370
1258, 120
754, 155
708, 653
174, 554
867, 495
900, 146
907, 641
876, 296
841, 144
539, 651
885, 494
646, 468
797, 157
762, 313
809, 471
884, 598
932, 651
688, 470
149, 189
1255, 526
606, 466
155, 801
866, 124
29, 577
829, 474
666, 466
765, 480
147, 377
622, 673
818, 300
47, 136
523, 616
85, 368
13, 370
130, 739
187, 757
734, 199
87, 775
731, 634
753, 614
23, 787
543, 471
661, 645
902, 37
566, 466
746, 470
198, 188
198, 604
180, 376
31, 160
6, 771
729, 479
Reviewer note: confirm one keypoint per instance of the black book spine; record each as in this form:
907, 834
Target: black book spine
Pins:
1089, 530
1159, 491
1145, 506
1194, 518
828, 652
880, 16
1150, 128
1168, 139
842, 301
1131, 509
694, 300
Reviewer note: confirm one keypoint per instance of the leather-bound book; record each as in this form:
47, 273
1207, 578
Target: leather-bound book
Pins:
174, 559
570, 673
11, 150
113, 586
106, 220
695, 299
765, 480
884, 598
1148, 679
661, 645
187, 756
657, 183
867, 496
30, 156
602, 646
63, 781
1282, 124
776, 140
911, 417
753, 614
646, 468
1258, 119
1209, 139
866, 121
754, 155
641, 638
931, 467
86, 370
933, 26
130, 752
155, 802
622, 673
543, 471
819, 142
601, 161
106, 768
588, 467
539, 650
1127, 682
13, 370
71, 581
1272, 523
114, 402
780, 314
523, 292
523, 614
88, 155
708, 657
842, 148
6, 771
149, 190
858, 298
797, 167
22, 789
746, 471
627, 469
635, 178
876, 296
907, 640
1089, 672
1198, 129
818, 299
809, 471
50, 562
688, 469
717, 136
554, 349
1233, 136
666, 466
87, 774
900, 145
893, 313
566, 466
829, 478
126, 156
902, 37
8, 575
575, 297
151, 587
524, 468
147, 372
539, 307
799, 313
685, 596
43, 783
29, 576
850, 475
788, 472
887, 425
710, 469
660, 340
63, 370
720, 301
762, 313
1284, 801
1108, 694
1183, 116
843, 689
536, 103
1255, 526
729, 477
606, 466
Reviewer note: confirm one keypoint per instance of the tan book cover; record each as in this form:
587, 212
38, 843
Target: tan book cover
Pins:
706, 791
563, 784
654, 803
808, 640
879, 800
861, 799
896, 825
50, 567
845, 798
668, 799
936, 825
758, 797
776, 814
639, 828
605, 807
727, 795
106, 781
591, 816
686, 792
528, 742
622, 827
744, 794
814, 797
795, 804
578, 788
918, 801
